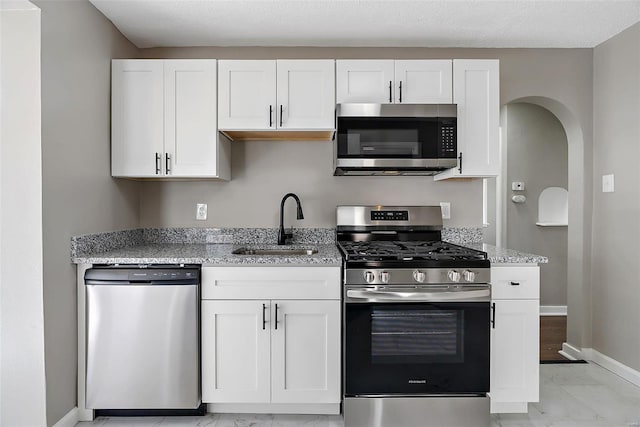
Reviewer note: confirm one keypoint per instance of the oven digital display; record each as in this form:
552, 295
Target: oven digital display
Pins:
389, 215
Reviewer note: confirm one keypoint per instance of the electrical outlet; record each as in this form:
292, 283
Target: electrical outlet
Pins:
201, 211
446, 210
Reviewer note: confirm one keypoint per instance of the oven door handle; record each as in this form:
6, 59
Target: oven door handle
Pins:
367, 295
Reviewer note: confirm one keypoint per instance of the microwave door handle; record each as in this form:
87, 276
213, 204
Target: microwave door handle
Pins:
374, 295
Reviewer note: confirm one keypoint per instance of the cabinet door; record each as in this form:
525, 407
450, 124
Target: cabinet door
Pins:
424, 82
235, 352
137, 118
306, 94
476, 91
190, 117
305, 352
515, 351
247, 94
364, 80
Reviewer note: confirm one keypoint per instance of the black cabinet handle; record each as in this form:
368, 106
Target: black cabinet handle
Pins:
276, 316
167, 162
515, 283
280, 115
158, 163
400, 90
390, 93
264, 320
270, 115
493, 315
460, 167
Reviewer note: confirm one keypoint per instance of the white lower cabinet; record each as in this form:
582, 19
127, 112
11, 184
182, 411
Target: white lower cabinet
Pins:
305, 352
235, 352
270, 355
515, 338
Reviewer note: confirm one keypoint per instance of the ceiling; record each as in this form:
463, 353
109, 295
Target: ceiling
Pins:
426, 23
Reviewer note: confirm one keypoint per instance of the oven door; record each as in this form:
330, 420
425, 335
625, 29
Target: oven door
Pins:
416, 347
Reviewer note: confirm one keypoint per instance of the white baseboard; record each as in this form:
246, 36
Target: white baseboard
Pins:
571, 352
553, 310
593, 355
69, 420
616, 367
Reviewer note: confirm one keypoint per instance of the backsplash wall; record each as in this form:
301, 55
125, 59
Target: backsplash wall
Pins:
263, 172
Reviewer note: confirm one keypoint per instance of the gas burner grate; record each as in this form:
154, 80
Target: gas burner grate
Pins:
408, 251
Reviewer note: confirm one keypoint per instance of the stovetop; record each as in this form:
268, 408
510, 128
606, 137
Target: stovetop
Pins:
398, 254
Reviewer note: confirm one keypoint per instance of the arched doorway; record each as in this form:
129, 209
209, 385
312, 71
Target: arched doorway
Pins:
578, 241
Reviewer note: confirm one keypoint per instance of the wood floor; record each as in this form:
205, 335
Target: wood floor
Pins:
553, 332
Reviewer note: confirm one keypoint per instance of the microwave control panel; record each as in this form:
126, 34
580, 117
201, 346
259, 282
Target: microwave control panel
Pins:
447, 138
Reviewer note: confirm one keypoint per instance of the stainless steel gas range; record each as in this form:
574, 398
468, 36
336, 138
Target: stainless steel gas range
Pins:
416, 321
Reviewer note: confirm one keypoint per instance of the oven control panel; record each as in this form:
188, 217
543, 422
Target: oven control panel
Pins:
389, 215
407, 276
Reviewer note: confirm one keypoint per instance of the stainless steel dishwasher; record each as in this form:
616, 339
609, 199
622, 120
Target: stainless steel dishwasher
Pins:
143, 347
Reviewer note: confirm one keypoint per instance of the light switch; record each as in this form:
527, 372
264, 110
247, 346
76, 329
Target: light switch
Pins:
446, 210
607, 183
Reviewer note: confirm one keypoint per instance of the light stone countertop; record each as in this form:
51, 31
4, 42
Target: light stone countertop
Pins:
499, 255
220, 254
216, 254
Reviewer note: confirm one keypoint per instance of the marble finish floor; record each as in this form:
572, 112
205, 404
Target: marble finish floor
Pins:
571, 395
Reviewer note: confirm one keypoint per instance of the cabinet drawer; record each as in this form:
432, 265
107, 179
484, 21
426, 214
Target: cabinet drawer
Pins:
515, 282
271, 282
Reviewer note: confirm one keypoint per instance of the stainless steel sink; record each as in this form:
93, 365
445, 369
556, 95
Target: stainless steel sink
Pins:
275, 251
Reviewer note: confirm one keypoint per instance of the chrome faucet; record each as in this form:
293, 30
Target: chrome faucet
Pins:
282, 236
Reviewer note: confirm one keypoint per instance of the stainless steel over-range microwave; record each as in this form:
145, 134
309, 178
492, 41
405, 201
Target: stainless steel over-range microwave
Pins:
395, 139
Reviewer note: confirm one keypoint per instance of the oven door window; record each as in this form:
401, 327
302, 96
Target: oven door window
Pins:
426, 348
400, 336
387, 137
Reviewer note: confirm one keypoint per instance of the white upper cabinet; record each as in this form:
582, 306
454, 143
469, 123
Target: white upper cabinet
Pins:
365, 81
164, 120
394, 82
476, 91
306, 94
190, 133
423, 82
247, 94
137, 117
262, 95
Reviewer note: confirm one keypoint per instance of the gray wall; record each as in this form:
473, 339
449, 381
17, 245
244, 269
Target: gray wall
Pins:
264, 171
536, 146
79, 196
615, 265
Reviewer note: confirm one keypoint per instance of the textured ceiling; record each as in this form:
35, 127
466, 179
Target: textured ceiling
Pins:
426, 23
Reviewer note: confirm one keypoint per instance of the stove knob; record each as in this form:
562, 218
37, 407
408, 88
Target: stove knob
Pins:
469, 275
369, 276
384, 277
419, 276
453, 275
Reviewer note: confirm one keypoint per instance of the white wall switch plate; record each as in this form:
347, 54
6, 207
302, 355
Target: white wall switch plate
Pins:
517, 186
201, 211
607, 183
446, 210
